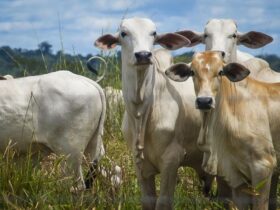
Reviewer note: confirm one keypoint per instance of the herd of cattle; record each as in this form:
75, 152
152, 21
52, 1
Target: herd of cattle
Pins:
222, 123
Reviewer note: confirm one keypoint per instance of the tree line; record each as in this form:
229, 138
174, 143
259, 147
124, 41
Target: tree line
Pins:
22, 62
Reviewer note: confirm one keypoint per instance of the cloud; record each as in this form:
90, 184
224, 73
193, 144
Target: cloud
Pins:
25, 22
119, 5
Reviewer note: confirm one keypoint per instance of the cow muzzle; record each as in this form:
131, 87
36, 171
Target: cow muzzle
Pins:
204, 103
143, 58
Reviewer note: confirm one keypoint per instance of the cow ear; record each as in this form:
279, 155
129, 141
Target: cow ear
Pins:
2, 78
179, 72
254, 39
171, 41
235, 72
107, 41
195, 37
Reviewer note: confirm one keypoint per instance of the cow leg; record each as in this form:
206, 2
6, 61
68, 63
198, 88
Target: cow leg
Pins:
224, 193
74, 166
261, 201
171, 162
206, 180
93, 153
167, 188
273, 191
91, 174
241, 199
148, 190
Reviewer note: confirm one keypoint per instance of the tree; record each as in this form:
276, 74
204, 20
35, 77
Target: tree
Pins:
45, 47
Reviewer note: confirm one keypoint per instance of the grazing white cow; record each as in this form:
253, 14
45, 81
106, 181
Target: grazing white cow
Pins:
240, 125
222, 35
160, 124
59, 112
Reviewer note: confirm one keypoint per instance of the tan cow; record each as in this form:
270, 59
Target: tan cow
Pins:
240, 125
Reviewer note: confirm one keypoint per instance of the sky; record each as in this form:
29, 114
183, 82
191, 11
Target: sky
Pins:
74, 24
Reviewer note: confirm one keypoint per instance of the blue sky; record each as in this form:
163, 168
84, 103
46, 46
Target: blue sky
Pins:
25, 23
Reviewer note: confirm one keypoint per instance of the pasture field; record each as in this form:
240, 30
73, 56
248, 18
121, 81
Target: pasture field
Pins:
24, 185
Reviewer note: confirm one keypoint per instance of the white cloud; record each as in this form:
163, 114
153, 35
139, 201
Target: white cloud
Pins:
119, 5
217, 10
83, 21
20, 25
91, 22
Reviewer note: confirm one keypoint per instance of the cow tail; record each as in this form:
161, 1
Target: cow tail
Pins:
97, 136
100, 129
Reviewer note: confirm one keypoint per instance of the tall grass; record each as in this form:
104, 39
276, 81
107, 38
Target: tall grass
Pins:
25, 185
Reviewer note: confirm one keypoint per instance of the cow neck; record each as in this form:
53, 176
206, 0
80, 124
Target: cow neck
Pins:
137, 85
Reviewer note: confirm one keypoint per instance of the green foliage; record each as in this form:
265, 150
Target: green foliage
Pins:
19, 62
185, 57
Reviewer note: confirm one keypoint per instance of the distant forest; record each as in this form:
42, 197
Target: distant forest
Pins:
22, 62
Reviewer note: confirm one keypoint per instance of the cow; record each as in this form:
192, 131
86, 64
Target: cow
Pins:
222, 35
240, 128
59, 112
156, 109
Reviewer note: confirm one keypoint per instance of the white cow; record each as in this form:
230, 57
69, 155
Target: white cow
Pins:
59, 112
156, 109
222, 35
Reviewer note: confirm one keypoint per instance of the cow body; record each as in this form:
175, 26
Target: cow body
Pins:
58, 112
156, 110
241, 143
240, 128
222, 35
169, 142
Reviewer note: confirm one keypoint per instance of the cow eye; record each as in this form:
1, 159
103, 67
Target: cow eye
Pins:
123, 34
205, 36
234, 36
154, 33
221, 73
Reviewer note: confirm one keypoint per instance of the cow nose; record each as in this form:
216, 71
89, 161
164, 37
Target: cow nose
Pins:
143, 57
204, 102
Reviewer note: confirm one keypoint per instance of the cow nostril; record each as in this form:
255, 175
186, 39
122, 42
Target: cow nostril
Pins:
137, 55
208, 100
223, 54
149, 54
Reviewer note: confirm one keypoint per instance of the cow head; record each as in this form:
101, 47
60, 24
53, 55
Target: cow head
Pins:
207, 68
137, 37
222, 35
